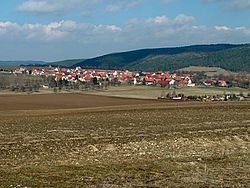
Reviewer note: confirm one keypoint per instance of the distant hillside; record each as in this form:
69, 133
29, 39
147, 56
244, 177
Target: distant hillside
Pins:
66, 63
209, 71
18, 63
227, 56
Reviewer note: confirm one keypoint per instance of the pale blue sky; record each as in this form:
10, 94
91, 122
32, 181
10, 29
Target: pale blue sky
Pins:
62, 29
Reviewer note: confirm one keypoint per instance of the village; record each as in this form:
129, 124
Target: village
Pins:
67, 79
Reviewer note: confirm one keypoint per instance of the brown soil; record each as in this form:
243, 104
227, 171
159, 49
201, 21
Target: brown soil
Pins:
136, 145
62, 101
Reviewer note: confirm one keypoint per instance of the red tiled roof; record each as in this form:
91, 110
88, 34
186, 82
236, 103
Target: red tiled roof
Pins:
163, 82
102, 74
87, 78
149, 79
169, 79
208, 81
178, 78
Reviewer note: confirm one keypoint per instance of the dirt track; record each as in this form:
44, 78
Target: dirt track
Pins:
137, 145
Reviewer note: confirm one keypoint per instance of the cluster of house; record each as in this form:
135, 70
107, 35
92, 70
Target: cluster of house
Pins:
99, 77
221, 83
224, 97
124, 77
160, 78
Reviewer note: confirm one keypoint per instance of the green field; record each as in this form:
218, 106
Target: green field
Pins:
151, 92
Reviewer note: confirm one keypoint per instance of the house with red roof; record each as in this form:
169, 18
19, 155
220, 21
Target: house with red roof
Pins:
208, 82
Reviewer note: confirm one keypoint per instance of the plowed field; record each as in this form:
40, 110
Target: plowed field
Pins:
62, 101
130, 143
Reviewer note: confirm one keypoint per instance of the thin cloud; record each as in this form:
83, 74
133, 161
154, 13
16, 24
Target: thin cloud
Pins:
222, 28
115, 5
86, 39
55, 6
231, 4
168, 1
85, 6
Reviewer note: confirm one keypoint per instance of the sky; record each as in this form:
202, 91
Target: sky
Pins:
51, 30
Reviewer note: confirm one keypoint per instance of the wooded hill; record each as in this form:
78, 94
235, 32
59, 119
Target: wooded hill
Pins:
226, 56
19, 63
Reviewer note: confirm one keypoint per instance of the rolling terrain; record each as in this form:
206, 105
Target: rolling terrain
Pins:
226, 56
66, 63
